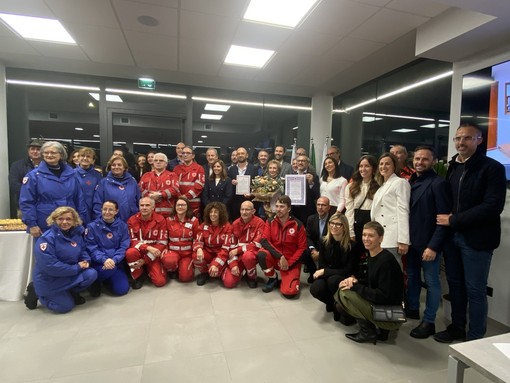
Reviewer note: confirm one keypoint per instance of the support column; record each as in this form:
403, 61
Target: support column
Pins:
187, 135
4, 167
351, 136
321, 121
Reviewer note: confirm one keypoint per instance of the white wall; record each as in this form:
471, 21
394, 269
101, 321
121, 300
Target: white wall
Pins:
4, 162
499, 280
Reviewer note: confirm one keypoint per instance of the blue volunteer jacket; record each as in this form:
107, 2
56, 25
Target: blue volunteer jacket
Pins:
88, 180
124, 191
42, 192
56, 260
105, 241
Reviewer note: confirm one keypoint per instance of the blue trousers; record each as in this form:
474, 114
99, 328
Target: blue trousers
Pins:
116, 278
63, 301
467, 271
431, 275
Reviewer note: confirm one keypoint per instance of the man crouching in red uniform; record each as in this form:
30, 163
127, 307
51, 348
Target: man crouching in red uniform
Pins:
212, 243
246, 235
148, 240
283, 243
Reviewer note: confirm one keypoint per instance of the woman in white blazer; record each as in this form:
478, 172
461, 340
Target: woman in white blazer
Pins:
390, 207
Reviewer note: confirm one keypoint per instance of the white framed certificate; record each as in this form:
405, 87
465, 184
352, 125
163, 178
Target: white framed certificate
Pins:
243, 185
295, 188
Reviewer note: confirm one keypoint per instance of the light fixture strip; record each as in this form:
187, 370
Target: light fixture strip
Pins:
52, 85
150, 94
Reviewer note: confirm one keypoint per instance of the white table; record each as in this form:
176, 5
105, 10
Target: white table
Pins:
15, 264
482, 356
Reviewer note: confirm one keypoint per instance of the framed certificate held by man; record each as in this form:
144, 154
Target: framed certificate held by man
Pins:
295, 188
243, 185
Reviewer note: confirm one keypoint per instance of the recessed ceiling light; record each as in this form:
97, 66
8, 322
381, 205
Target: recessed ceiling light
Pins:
37, 28
206, 116
295, 128
284, 13
200, 141
217, 107
249, 57
77, 128
96, 135
432, 126
371, 119
404, 130
203, 136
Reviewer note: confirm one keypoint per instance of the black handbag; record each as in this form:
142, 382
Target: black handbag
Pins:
389, 313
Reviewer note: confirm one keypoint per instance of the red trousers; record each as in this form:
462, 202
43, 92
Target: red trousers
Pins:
203, 266
290, 278
155, 268
180, 261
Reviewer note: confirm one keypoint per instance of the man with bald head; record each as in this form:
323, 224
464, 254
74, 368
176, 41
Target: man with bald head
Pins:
400, 151
243, 167
246, 236
178, 158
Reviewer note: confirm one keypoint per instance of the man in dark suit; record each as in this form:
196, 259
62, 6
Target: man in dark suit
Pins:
316, 228
344, 169
279, 154
211, 155
302, 212
243, 167
429, 197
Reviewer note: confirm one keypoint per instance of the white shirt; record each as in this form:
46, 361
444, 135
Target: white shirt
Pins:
356, 203
335, 191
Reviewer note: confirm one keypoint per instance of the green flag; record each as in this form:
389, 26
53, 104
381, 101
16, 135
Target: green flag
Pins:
312, 156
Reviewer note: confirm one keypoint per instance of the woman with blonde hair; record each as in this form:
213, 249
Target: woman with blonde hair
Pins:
62, 264
336, 262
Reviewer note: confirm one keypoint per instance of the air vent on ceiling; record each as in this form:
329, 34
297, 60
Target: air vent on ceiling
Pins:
53, 116
124, 120
208, 126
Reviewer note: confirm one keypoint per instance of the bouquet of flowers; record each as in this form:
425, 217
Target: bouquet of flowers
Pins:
265, 187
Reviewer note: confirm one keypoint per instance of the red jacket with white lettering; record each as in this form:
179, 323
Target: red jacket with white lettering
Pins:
167, 183
191, 182
181, 234
288, 239
216, 240
151, 232
246, 237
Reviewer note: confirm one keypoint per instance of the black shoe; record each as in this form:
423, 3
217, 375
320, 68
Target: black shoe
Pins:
310, 279
424, 330
202, 278
137, 283
172, 274
382, 335
270, 284
95, 289
330, 307
252, 283
367, 332
78, 299
449, 335
412, 314
31, 297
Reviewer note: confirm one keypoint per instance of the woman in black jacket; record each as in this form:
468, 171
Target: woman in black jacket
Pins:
218, 186
336, 262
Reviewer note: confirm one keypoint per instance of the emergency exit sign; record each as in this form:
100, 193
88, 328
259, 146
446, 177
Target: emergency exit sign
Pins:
146, 83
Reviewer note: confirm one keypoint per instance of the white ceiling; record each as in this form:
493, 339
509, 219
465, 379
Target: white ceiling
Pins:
341, 44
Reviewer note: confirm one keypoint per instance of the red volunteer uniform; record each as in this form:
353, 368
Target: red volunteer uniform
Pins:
167, 183
180, 246
215, 243
191, 184
289, 241
145, 233
246, 239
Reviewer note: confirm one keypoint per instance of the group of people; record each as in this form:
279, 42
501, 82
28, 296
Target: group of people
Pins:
364, 235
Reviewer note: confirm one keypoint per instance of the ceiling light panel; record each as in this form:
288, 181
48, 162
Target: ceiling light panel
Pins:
404, 130
36, 28
282, 13
217, 107
206, 116
248, 57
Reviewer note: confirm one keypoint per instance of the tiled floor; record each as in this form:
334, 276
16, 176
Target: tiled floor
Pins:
186, 333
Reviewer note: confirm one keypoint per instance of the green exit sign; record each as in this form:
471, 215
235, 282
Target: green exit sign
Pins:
146, 83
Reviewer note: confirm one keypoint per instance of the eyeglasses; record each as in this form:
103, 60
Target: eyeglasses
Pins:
181, 205
50, 153
465, 138
335, 224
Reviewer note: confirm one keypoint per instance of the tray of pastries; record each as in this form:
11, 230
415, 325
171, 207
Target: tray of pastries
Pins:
9, 224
